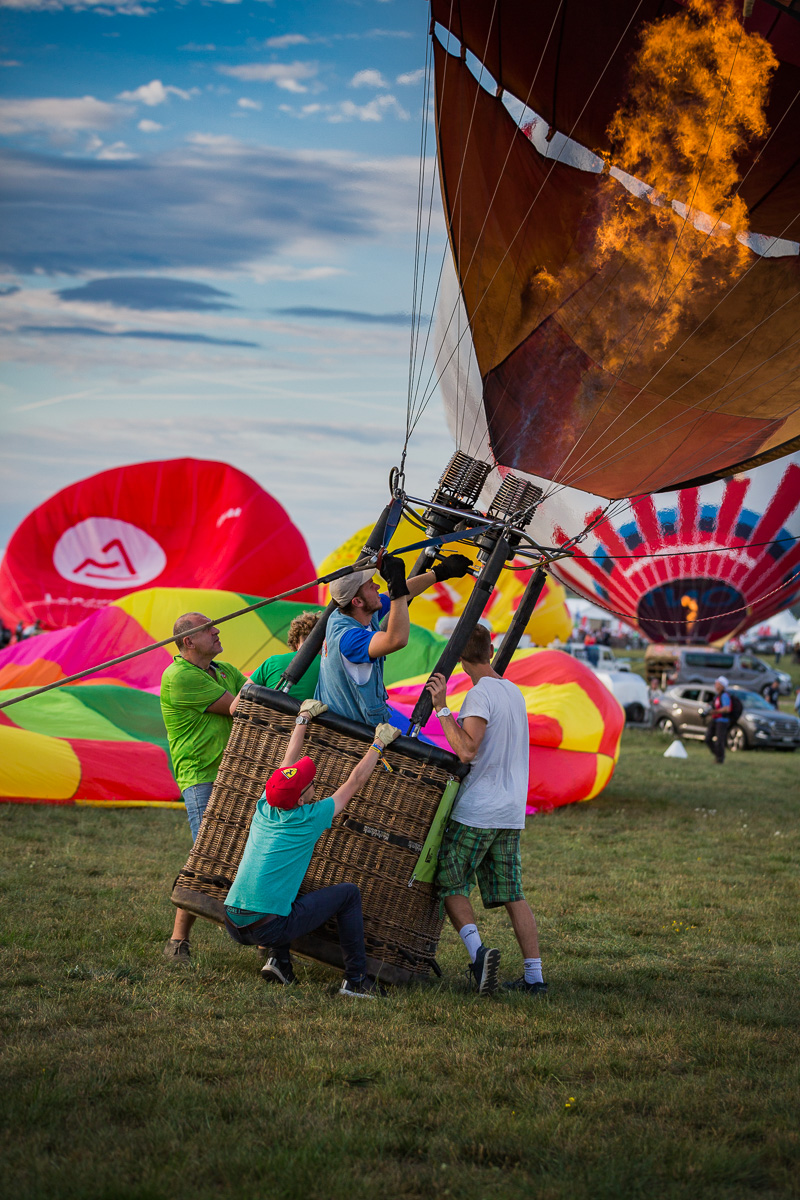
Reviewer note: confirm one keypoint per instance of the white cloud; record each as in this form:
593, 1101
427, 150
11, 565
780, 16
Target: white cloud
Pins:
245, 103
283, 75
287, 39
154, 93
368, 78
57, 114
10, 62
150, 126
116, 152
410, 77
374, 111
63, 216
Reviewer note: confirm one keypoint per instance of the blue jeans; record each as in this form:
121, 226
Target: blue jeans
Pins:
342, 900
196, 798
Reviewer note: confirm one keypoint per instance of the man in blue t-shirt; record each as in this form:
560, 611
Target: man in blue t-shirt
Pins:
262, 908
719, 720
351, 671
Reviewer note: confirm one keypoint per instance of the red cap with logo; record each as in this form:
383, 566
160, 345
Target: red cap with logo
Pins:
286, 785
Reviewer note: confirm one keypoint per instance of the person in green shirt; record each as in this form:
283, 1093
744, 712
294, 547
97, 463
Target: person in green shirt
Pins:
269, 674
197, 694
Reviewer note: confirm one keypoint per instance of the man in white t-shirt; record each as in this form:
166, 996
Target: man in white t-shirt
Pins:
482, 837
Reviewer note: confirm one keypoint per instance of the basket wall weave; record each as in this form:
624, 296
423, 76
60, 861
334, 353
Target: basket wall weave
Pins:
401, 923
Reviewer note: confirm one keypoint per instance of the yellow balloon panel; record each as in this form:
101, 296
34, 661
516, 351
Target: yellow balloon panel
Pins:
36, 766
550, 620
605, 769
157, 609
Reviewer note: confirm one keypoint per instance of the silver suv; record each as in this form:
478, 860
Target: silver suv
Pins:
682, 711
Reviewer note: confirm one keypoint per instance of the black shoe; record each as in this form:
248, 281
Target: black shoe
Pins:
530, 989
363, 989
176, 952
276, 970
484, 971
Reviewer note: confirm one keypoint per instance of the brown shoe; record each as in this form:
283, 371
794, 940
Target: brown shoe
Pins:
177, 951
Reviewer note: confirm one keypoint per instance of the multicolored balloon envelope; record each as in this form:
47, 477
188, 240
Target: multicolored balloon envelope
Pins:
550, 619
621, 189
102, 741
574, 721
182, 522
749, 527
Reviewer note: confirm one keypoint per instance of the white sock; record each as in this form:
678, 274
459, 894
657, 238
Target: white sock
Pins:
471, 939
533, 970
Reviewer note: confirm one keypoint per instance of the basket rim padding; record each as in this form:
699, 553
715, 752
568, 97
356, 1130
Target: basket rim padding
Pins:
422, 752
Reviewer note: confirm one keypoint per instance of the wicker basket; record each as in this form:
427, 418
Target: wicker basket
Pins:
375, 842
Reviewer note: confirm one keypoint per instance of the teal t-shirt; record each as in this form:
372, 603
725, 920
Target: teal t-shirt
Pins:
276, 857
269, 674
197, 739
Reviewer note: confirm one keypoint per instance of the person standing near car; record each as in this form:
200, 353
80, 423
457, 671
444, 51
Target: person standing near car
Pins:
719, 720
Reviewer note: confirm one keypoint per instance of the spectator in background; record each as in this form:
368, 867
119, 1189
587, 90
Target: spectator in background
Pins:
719, 720
779, 649
5, 634
772, 693
592, 652
797, 702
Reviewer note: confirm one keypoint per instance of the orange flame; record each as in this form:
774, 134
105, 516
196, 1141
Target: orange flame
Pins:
696, 99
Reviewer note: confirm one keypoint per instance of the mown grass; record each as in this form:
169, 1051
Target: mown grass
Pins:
665, 1061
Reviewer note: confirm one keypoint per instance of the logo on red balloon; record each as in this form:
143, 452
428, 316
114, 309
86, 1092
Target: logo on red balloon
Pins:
103, 552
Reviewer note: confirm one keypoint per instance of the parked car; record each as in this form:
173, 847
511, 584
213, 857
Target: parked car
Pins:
604, 658
624, 684
683, 711
700, 664
631, 691
760, 645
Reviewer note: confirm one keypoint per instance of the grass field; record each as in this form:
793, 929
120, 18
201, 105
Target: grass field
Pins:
664, 1063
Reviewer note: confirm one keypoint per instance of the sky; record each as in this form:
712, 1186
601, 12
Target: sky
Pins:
208, 234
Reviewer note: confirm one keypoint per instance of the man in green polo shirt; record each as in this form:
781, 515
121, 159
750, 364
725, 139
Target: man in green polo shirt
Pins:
197, 692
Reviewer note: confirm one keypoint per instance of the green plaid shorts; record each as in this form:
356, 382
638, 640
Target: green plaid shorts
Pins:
489, 855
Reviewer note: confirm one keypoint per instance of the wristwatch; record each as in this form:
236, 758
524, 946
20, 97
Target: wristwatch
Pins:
444, 711
301, 720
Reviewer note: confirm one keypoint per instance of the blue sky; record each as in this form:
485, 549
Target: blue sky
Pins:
208, 246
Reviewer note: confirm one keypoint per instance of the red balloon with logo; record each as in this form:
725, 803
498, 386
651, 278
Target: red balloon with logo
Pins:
179, 523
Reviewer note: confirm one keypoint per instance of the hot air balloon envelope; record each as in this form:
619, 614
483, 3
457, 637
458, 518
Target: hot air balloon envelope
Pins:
179, 523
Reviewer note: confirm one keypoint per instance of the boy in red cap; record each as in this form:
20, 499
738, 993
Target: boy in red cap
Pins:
263, 908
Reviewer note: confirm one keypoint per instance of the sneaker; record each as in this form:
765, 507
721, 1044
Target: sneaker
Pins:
176, 951
483, 971
530, 989
363, 989
277, 970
